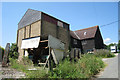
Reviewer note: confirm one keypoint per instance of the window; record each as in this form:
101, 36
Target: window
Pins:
85, 33
84, 42
75, 41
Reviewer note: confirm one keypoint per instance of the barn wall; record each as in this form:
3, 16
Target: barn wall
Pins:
88, 44
63, 35
56, 28
98, 40
27, 34
21, 35
35, 29
48, 28
73, 45
31, 30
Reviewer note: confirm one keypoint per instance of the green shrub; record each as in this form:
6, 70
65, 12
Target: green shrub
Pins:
16, 65
85, 67
26, 61
23, 65
36, 74
103, 53
13, 51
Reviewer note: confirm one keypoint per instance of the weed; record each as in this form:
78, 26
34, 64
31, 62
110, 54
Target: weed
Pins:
103, 53
85, 67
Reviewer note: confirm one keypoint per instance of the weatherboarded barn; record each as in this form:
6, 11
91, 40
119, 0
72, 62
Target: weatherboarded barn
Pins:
90, 38
36, 23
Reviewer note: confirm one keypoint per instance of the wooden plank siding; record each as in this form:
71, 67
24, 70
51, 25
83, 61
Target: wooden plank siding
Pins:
43, 26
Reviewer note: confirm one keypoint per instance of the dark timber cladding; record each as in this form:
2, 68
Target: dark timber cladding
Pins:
90, 38
36, 23
75, 42
56, 28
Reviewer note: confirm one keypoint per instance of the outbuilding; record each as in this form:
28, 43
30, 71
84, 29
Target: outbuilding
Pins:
35, 32
90, 38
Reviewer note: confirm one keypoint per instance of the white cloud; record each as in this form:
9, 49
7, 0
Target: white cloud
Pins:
107, 40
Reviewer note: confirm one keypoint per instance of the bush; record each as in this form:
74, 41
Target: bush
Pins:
86, 67
103, 53
26, 61
23, 65
13, 51
36, 74
16, 65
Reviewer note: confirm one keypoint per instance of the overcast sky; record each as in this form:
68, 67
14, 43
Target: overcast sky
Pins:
78, 14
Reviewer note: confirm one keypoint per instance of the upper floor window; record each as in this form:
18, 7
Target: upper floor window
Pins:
75, 41
85, 33
84, 42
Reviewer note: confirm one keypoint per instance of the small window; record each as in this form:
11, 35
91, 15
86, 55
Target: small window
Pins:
85, 33
75, 41
84, 42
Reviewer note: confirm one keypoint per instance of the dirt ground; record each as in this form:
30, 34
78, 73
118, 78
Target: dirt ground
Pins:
7, 72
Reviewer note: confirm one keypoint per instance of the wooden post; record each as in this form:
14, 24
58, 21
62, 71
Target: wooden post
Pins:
49, 61
5, 57
78, 54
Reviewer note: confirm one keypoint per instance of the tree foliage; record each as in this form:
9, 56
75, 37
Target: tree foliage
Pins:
14, 51
112, 44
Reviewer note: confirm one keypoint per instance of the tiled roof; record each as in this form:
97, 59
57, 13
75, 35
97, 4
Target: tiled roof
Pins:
72, 33
87, 32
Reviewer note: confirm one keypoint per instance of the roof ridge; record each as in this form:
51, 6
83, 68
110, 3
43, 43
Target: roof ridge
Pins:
88, 28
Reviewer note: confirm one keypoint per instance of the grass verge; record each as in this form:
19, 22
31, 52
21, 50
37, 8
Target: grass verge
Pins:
103, 53
24, 65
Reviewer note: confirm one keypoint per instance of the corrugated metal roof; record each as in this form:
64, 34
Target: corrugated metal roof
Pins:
87, 32
29, 17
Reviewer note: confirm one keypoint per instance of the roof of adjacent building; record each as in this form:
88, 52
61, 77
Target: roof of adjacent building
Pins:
72, 33
84, 33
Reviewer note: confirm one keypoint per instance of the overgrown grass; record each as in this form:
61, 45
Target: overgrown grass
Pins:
86, 67
24, 65
103, 53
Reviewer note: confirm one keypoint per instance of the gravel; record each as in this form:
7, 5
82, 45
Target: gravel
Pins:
6, 72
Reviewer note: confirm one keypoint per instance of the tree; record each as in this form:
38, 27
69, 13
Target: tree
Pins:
112, 44
14, 51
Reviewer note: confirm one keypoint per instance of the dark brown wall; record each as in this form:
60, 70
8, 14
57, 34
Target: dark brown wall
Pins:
88, 44
73, 45
98, 40
93, 43
78, 45
56, 28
